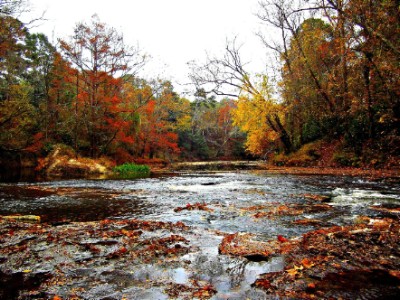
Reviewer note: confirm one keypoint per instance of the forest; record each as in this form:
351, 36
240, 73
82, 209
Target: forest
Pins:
334, 99
282, 184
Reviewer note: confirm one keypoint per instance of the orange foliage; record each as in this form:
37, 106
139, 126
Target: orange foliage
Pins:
36, 144
122, 156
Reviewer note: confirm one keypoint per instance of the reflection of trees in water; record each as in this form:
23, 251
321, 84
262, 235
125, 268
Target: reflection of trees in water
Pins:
212, 267
236, 271
208, 266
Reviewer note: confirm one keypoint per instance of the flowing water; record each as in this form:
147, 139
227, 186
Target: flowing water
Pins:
232, 198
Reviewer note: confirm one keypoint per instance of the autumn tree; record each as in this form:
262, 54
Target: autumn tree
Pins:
59, 108
17, 120
339, 69
149, 114
371, 31
20, 82
211, 134
102, 60
227, 76
158, 129
306, 108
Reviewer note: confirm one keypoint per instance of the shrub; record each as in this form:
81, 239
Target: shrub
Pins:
311, 131
305, 156
130, 170
346, 159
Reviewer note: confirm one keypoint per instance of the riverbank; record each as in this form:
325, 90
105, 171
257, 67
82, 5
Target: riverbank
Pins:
262, 165
366, 173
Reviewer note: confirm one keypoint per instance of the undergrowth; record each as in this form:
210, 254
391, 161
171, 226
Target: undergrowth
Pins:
132, 170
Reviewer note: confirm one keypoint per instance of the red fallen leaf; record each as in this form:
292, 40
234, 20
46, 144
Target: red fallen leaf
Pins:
282, 239
264, 283
105, 222
395, 273
311, 286
260, 215
180, 224
93, 248
307, 263
204, 292
197, 205
122, 250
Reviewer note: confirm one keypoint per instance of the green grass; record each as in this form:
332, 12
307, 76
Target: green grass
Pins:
129, 170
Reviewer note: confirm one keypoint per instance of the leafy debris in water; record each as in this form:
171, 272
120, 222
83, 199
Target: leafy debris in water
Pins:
340, 262
243, 244
307, 222
197, 290
318, 198
195, 206
273, 210
44, 261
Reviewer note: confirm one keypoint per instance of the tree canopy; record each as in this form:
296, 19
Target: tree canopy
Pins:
338, 83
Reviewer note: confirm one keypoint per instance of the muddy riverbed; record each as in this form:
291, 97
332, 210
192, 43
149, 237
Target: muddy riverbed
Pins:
160, 238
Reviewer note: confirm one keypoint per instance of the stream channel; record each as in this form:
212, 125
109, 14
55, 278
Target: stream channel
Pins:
232, 199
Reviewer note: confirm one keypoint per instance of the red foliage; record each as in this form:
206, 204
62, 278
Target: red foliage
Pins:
122, 156
282, 239
36, 144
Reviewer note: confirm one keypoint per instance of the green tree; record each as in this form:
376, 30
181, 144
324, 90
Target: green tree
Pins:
17, 118
40, 56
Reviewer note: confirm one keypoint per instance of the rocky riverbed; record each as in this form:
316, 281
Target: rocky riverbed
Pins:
220, 235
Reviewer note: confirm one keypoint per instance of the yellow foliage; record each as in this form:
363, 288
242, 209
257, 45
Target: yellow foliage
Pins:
184, 122
250, 115
306, 155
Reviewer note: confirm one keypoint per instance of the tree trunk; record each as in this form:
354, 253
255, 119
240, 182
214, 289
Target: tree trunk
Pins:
276, 125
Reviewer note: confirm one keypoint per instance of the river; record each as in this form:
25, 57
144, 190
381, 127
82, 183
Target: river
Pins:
232, 198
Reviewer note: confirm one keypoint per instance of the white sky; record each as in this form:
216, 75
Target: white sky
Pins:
172, 32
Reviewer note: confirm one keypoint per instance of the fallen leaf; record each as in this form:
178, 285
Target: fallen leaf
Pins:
292, 272
307, 263
282, 239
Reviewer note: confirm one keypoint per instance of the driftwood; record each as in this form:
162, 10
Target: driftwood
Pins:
25, 218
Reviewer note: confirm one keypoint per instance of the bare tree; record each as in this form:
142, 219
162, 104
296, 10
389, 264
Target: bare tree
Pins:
227, 76
13, 7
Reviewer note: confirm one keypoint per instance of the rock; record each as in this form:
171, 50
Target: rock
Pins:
63, 161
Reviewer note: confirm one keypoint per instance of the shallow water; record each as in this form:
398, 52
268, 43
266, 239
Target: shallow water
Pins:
229, 195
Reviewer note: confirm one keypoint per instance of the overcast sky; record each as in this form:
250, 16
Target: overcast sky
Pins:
172, 32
